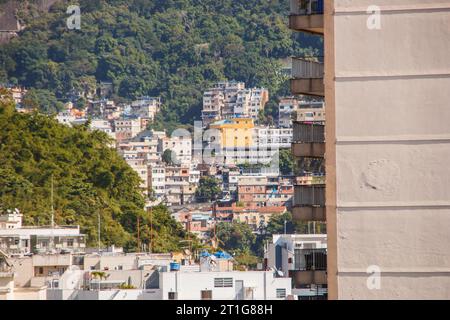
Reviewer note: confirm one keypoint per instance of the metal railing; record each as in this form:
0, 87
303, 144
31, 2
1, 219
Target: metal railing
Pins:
306, 68
310, 259
308, 133
309, 196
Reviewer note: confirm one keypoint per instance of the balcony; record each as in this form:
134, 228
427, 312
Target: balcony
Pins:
307, 16
302, 278
309, 203
308, 140
309, 214
310, 267
310, 195
307, 77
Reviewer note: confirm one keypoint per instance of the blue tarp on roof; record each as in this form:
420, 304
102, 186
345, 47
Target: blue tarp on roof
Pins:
205, 254
222, 255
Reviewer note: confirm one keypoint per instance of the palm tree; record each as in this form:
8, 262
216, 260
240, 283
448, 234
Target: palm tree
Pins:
99, 275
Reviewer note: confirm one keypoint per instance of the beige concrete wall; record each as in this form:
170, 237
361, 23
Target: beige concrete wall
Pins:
24, 271
389, 92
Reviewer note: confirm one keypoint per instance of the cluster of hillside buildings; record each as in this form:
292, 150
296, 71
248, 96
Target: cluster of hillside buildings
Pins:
245, 152
53, 263
253, 191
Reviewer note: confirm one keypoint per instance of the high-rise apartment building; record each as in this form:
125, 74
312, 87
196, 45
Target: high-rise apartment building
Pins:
308, 145
386, 78
228, 100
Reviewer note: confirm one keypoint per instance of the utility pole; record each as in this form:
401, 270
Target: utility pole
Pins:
151, 229
98, 231
215, 224
138, 236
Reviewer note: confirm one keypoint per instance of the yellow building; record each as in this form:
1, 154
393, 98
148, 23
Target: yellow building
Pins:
235, 133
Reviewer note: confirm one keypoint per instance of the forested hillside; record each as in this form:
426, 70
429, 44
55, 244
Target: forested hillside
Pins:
90, 179
168, 48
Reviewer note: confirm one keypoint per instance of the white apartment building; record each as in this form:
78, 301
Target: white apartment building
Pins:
146, 148
213, 104
231, 99
16, 239
273, 138
181, 146
157, 179
303, 258
177, 185
227, 285
250, 102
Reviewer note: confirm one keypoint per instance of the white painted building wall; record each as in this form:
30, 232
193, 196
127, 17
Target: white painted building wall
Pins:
188, 285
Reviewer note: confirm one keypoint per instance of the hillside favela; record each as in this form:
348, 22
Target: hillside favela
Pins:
224, 150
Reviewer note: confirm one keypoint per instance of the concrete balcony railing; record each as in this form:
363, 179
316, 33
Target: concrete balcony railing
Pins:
308, 140
308, 133
310, 150
309, 277
307, 77
307, 16
52, 260
309, 196
309, 214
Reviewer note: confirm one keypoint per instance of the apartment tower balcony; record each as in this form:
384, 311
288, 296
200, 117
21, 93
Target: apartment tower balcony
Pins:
308, 140
307, 16
309, 202
307, 77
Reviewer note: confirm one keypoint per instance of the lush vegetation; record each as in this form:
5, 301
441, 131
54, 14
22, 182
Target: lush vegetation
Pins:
286, 159
208, 189
168, 48
90, 180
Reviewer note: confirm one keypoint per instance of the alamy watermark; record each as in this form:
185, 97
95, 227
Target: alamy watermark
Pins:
74, 20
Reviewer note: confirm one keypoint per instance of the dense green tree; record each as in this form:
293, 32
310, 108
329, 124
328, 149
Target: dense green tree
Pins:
286, 161
173, 49
235, 237
208, 189
169, 157
43, 100
90, 180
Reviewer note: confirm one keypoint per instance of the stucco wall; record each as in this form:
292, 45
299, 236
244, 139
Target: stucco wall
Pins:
392, 141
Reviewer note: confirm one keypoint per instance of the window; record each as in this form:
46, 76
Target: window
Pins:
223, 282
281, 293
206, 294
70, 242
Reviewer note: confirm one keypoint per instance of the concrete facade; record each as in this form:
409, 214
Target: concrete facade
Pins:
388, 145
